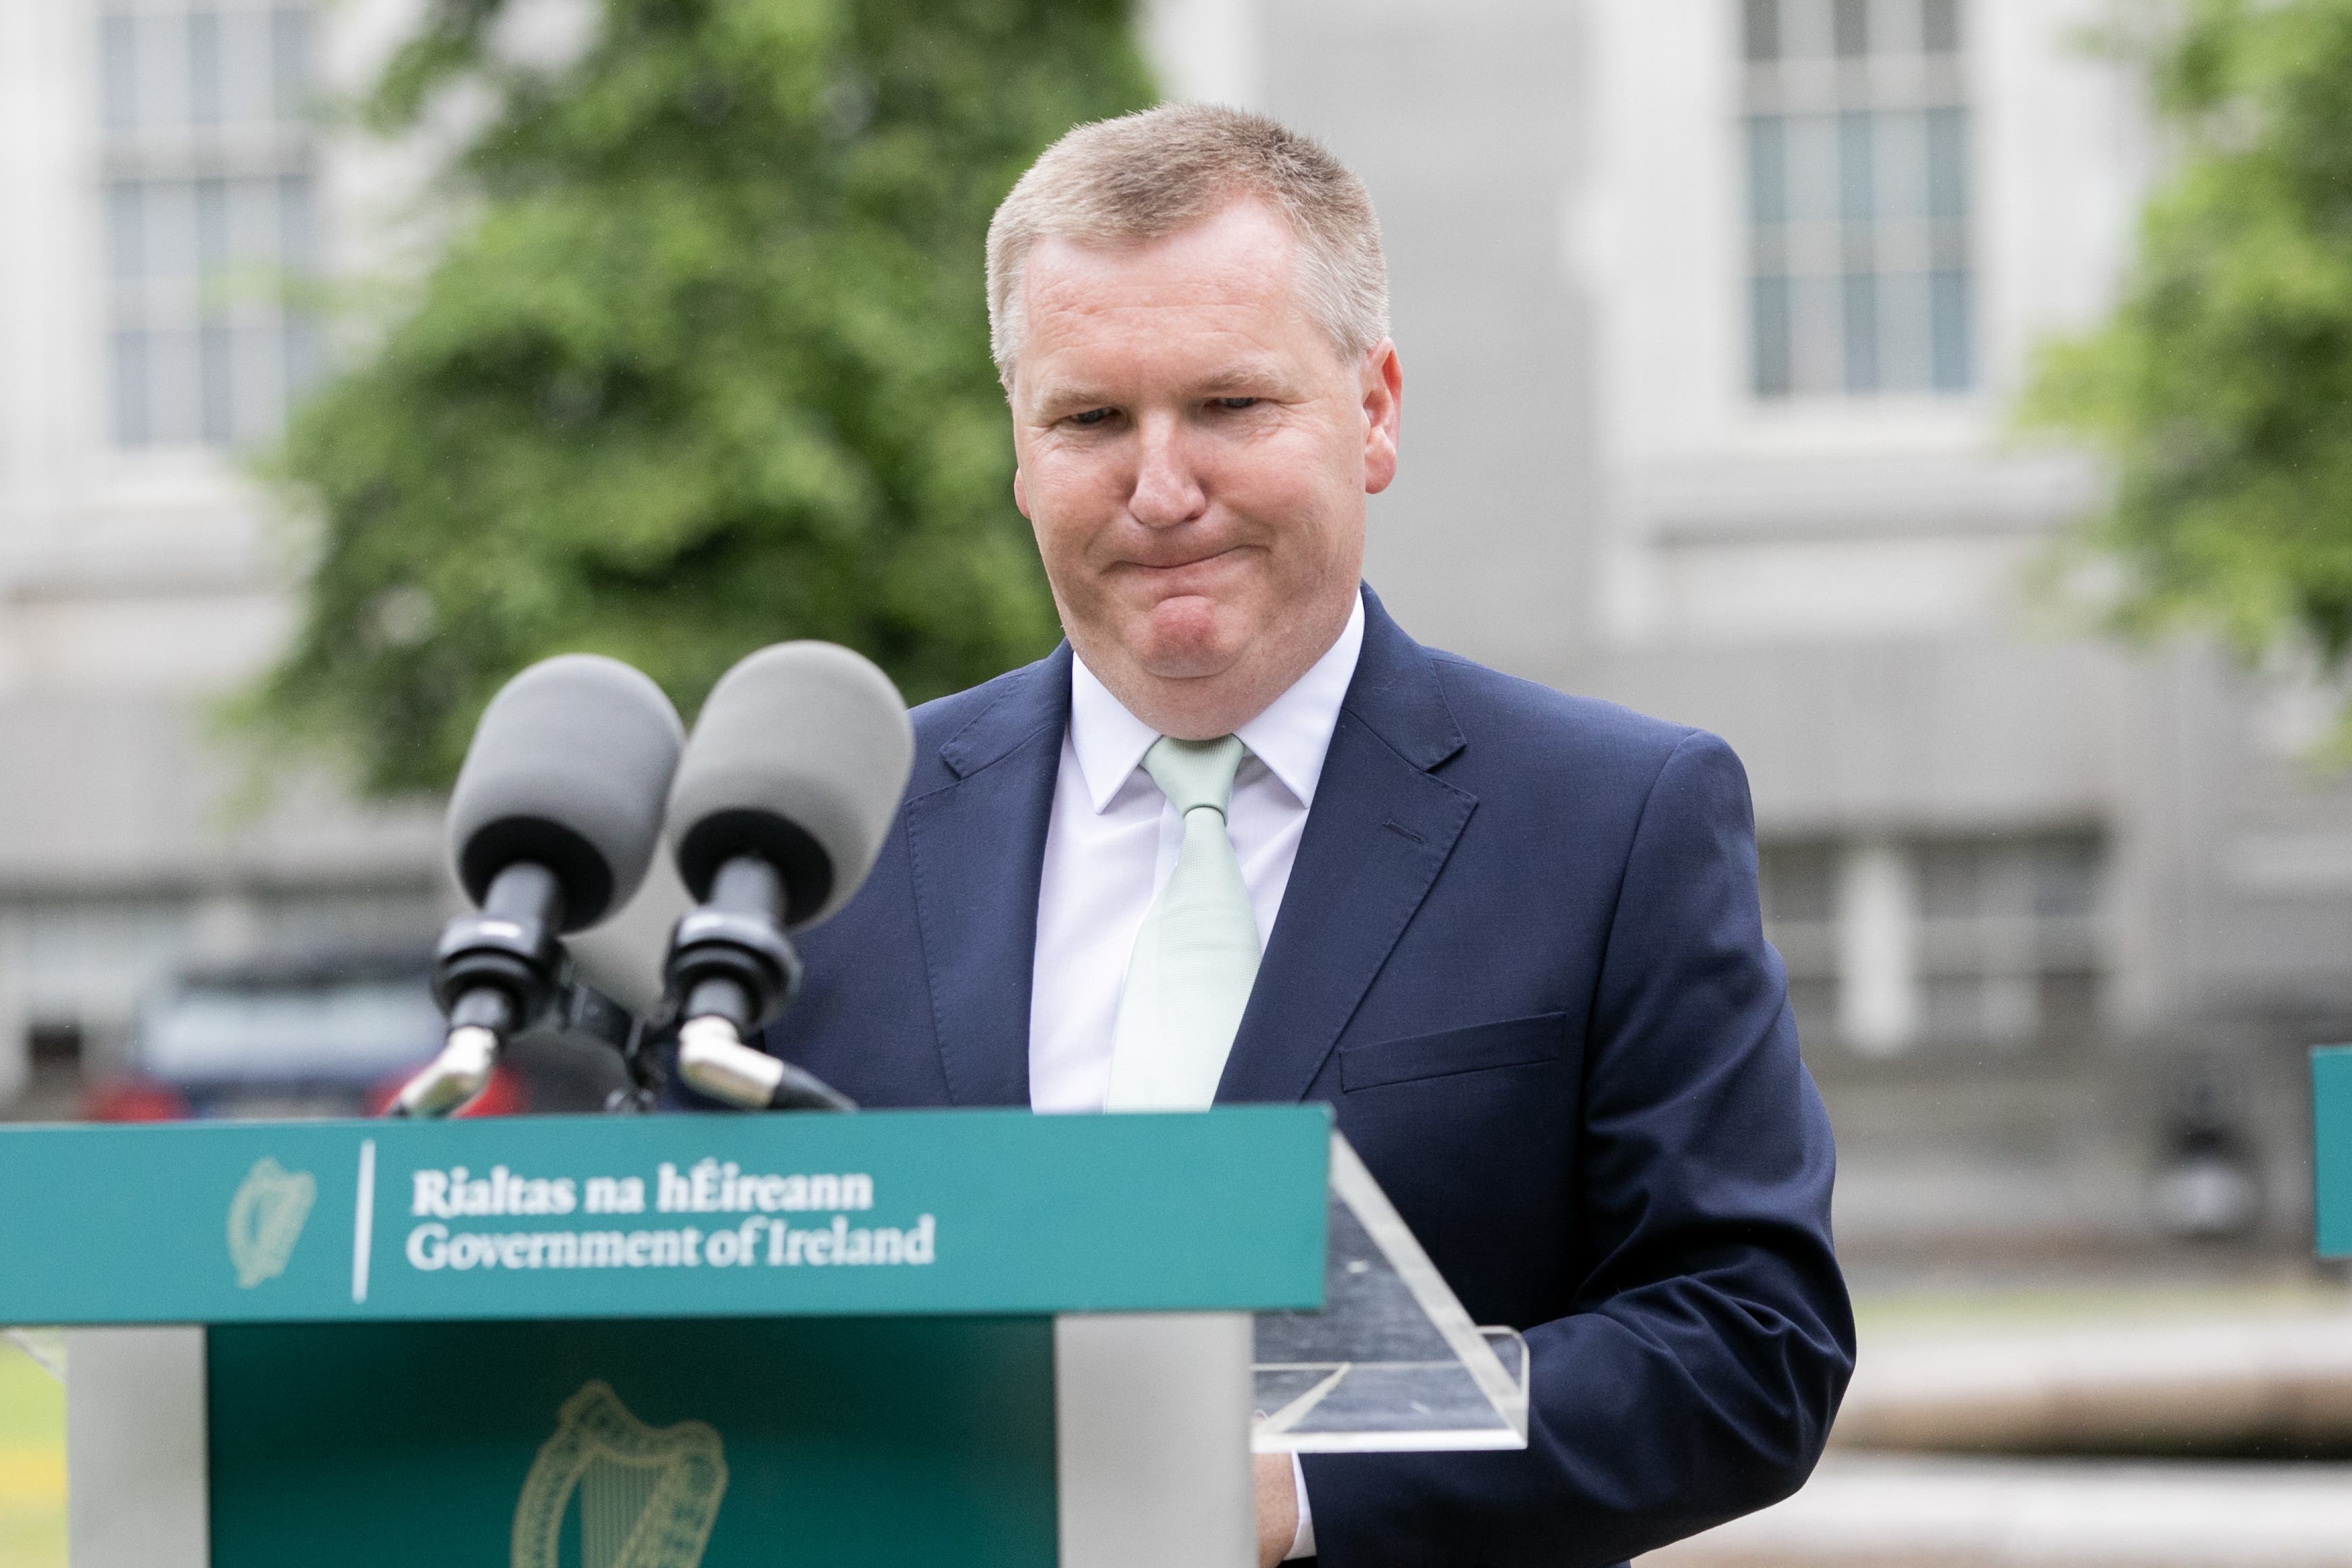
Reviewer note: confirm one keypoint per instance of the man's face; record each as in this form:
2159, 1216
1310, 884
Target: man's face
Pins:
1194, 455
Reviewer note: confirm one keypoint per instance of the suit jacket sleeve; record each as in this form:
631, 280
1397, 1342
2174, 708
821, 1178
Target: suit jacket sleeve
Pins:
1710, 1340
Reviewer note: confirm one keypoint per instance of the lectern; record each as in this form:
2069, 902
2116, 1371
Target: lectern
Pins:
977, 1337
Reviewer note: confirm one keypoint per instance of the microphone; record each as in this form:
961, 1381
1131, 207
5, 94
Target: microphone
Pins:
552, 825
786, 793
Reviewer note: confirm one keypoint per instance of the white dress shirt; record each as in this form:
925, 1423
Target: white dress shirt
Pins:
1111, 846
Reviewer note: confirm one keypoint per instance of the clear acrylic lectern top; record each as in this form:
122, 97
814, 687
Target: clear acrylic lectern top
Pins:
1392, 1363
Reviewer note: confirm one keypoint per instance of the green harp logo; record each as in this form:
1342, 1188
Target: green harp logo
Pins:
265, 1220
648, 1497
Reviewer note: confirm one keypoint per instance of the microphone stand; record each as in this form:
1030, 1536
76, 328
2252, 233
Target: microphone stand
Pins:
492, 972
501, 972
732, 971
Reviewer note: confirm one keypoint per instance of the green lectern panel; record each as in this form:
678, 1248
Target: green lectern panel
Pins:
883, 1213
717, 1442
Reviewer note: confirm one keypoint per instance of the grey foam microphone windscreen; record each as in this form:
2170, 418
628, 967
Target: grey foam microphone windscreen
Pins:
800, 757
569, 768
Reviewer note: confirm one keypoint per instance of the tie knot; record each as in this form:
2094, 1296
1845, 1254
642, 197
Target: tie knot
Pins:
1194, 773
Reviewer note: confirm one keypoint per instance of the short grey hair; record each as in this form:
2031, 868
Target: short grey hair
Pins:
1153, 173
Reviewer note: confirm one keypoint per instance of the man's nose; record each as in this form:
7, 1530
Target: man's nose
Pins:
1167, 491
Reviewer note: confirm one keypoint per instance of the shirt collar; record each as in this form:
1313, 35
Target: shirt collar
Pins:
1291, 737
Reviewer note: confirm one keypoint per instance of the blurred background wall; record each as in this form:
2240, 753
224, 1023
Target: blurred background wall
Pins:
1711, 310
149, 152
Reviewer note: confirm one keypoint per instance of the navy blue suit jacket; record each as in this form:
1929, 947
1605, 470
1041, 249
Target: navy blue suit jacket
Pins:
1520, 955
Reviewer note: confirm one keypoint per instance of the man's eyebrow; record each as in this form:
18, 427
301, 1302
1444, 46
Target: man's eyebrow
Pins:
1072, 394
1246, 375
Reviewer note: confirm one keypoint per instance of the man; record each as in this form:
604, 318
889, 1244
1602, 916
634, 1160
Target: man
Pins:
1242, 838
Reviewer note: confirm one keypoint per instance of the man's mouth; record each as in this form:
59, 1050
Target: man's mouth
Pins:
1211, 558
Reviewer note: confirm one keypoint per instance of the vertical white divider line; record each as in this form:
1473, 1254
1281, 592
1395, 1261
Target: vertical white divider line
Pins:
363, 1222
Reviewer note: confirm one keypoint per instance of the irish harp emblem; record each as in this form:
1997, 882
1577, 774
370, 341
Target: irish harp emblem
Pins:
648, 1497
265, 1220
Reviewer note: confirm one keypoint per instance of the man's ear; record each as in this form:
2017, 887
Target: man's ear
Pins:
1020, 493
1384, 412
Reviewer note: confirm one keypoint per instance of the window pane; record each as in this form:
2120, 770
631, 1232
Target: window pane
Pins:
1948, 305
204, 68
1760, 29
1906, 362
1860, 332
1948, 163
2009, 1009
2069, 1005
290, 31
169, 210
261, 383
1815, 308
212, 233
1812, 165
174, 386
213, 354
255, 231
298, 235
2063, 878
1768, 180
1851, 24
1940, 27
1815, 1003
1901, 166
1799, 882
1770, 312
1855, 180
1949, 878
1804, 30
1954, 1007
1894, 27
118, 47
160, 77
249, 69
131, 423
126, 244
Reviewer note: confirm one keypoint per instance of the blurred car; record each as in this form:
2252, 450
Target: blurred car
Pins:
336, 1033
305, 1034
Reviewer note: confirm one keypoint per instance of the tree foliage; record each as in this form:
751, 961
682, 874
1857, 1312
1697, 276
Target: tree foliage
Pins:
2220, 390
706, 367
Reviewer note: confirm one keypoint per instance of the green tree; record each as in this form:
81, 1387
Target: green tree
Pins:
2220, 390
705, 368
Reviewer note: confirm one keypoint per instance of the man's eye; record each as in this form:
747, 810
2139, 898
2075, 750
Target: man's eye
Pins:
1236, 402
1091, 416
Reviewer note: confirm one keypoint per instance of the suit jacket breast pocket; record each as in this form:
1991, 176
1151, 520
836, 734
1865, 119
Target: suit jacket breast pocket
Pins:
1512, 1043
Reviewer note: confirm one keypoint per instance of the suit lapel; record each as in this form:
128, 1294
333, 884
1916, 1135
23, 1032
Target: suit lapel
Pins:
1380, 829
978, 847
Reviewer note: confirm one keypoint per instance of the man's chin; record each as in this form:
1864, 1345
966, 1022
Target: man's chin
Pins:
1185, 640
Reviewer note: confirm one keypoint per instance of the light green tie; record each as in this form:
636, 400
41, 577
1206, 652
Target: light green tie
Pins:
1196, 957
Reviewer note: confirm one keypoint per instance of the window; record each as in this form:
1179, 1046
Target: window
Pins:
210, 211
1856, 151
1938, 942
2005, 946
1800, 887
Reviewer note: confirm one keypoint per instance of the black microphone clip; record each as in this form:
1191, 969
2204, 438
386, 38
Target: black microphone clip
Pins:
732, 970
495, 971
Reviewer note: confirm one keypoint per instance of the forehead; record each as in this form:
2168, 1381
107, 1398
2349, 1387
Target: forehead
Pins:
1238, 261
